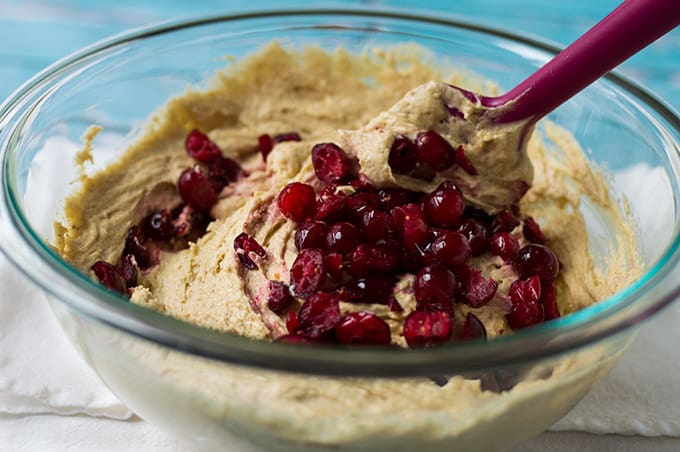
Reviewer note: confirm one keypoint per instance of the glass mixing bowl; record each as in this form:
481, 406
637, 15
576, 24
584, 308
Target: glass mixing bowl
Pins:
218, 389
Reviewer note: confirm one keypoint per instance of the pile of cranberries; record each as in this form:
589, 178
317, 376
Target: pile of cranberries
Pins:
355, 241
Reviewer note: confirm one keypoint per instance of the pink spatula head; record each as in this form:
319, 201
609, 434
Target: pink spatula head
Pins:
494, 131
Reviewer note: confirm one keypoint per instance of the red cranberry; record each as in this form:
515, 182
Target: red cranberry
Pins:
292, 323
434, 150
464, 162
525, 310
331, 206
403, 156
279, 297
128, 270
475, 289
136, 246
433, 288
248, 249
311, 234
371, 259
394, 305
371, 289
410, 223
427, 328
265, 144
189, 224
159, 225
109, 276
360, 203
308, 273
362, 328
334, 266
476, 234
200, 147
331, 163
288, 136
532, 231
505, 245
223, 171
450, 248
394, 197
342, 237
444, 207
293, 339
537, 260
196, 190
473, 328
297, 201
505, 221
377, 227
319, 314
549, 302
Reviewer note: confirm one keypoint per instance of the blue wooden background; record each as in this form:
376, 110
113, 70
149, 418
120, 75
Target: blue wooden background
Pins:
35, 33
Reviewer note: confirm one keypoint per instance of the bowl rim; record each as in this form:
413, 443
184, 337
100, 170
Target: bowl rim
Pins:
40, 263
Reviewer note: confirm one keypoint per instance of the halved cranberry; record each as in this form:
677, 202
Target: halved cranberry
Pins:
371, 259
196, 190
248, 249
475, 289
538, 260
189, 223
293, 339
334, 266
433, 288
450, 248
362, 328
505, 245
128, 270
331, 205
308, 273
377, 226
297, 201
159, 225
287, 136
476, 234
223, 171
505, 221
342, 237
319, 314
292, 323
109, 276
360, 203
331, 163
532, 231
464, 162
525, 310
279, 297
427, 328
200, 147
265, 144
403, 156
549, 302
434, 150
311, 234
394, 197
444, 207
394, 305
473, 328
371, 289
411, 224
136, 246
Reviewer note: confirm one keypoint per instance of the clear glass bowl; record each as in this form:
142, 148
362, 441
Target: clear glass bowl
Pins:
218, 389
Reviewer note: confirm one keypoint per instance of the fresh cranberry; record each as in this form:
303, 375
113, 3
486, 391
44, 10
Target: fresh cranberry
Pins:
331, 163
297, 201
526, 309
223, 171
308, 273
369, 259
311, 234
433, 288
159, 225
196, 190
549, 302
248, 249
427, 328
464, 162
334, 266
505, 221
473, 328
377, 226
410, 223
136, 246
394, 197
109, 276
200, 147
292, 323
424, 172
360, 203
371, 289
293, 339
434, 150
331, 205
265, 144
394, 305
538, 260
476, 234
128, 270
505, 245
278, 297
319, 314
189, 224
362, 328
287, 136
444, 207
532, 231
342, 237
450, 248
403, 156
475, 289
